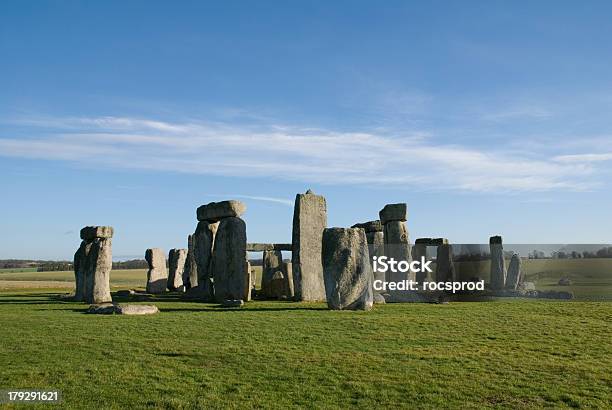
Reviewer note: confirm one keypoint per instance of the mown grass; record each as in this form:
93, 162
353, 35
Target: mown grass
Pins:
506, 354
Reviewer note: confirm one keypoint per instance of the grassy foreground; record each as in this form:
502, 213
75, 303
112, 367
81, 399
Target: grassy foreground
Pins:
517, 354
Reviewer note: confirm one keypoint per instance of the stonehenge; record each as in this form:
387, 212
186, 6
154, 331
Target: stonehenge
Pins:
445, 268
272, 262
157, 275
93, 263
309, 221
397, 243
497, 278
177, 259
347, 269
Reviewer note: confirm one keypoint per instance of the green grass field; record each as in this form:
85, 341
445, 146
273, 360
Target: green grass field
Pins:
503, 354
288, 355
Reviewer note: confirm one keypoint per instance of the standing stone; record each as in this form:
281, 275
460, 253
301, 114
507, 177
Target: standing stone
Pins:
228, 260
419, 250
288, 271
157, 275
203, 244
190, 274
513, 277
80, 262
248, 279
393, 212
100, 264
347, 269
376, 243
397, 246
498, 264
271, 263
176, 267
445, 269
309, 221
277, 287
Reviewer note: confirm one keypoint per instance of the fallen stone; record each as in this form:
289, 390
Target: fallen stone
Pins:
347, 269
157, 275
229, 260
136, 309
93, 232
379, 299
370, 226
176, 266
101, 309
309, 220
527, 286
232, 303
393, 212
215, 211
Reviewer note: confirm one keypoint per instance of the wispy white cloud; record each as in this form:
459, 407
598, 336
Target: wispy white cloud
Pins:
285, 152
584, 158
283, 201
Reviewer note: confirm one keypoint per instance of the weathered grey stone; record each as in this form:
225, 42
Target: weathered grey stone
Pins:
376, 247
309, 220
498, 264
215, 211
419, 250
271, 263
157, 275
228, 261
379, 299
101, 309
513, 276
527, 286
277, 287
176, 267
203, 244
232, 303
397, 246
136, 309
80, 263
190, 273
393, 212
347, 269
98, 265
93, 232
260, 247
445, 269
370, 226
288, 272
248, 281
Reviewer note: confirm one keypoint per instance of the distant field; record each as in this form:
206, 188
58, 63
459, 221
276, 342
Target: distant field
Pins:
14, 270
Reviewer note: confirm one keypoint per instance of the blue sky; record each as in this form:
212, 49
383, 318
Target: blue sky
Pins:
485, 117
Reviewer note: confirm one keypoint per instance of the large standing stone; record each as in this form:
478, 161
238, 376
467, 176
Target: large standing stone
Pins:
393, 212
347, 269
89, 233
248, 279
376, 243
190, 274
419, 250
157, 275
271, 263
513, 276
288, 272
309, 220
445, 269
203, 244
215, 211
80, 263
397, 246
99, 266
498, 264
176, 267
228, 261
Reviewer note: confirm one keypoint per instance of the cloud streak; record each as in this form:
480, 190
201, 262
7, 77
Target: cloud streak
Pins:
291, 153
